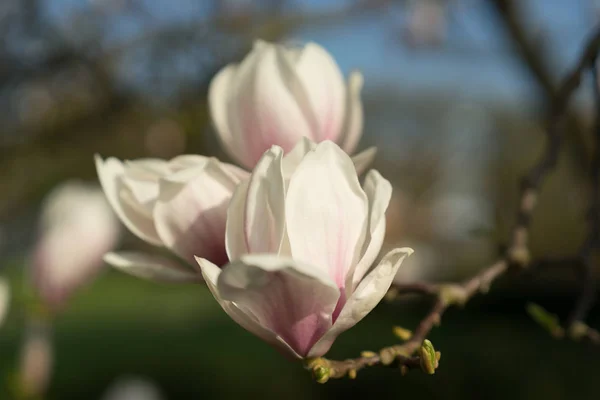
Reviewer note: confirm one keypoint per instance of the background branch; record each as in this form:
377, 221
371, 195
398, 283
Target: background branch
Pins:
517, 254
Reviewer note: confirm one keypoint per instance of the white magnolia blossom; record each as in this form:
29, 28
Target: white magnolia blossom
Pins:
302, 235
278, 95
179, 204
77, 228
4, 299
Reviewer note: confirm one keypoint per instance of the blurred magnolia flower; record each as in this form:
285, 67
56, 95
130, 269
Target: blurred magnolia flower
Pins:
4, 299
77, 228
426, 25
301, 236
133, 388
278, 95
180, 204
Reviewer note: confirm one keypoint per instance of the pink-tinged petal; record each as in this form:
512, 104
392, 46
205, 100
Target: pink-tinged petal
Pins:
265, 109
152, 267
379, 193
211, 273
219, 97
353, 126
293, 158
191, 211
141, 178
367, 295
363, 159
291, 299
110, 173
264, 214
324, 84
326, 212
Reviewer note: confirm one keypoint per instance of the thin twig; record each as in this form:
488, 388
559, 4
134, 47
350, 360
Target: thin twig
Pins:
532, 52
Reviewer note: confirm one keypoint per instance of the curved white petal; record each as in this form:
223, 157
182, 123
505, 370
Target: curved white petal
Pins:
366, 296
289, 298
235, 238
264, 213
151, 267
326, 212
186, 161
149, 169
363, 159
236, 172
324, 84
191, 211
264, 109
379, 193
219, 97
211, 273
110, 173
353, 125
141, 178
293, 158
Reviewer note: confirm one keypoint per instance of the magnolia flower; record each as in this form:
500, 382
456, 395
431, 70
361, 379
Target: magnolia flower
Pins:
77, 228
302, 235
4, 299
278, 95
179, 204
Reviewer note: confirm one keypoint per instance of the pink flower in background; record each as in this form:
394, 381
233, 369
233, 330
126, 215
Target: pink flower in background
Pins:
302, 235
77, 228
4, 299
180, 204
278, 95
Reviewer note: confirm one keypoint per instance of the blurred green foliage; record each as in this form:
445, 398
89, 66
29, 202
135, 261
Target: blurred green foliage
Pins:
179, 337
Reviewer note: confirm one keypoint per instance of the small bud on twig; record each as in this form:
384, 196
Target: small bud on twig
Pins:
428, 357
387, 355
320, 369
368, 354
453, 294
402, 333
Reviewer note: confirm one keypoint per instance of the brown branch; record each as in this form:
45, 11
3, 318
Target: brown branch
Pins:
536, 59
517, 254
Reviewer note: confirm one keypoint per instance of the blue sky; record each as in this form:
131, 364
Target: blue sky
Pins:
475, 62
489, 69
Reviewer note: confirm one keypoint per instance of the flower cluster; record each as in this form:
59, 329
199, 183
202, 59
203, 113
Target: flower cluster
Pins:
288, 246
